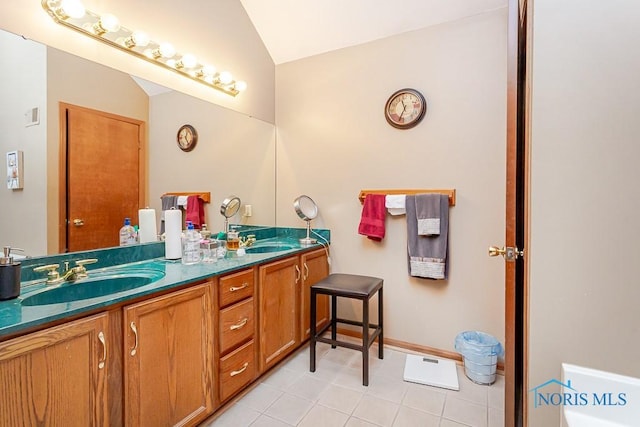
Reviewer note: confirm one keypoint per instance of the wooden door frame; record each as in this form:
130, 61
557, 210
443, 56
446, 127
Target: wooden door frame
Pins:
62, 164
517, 210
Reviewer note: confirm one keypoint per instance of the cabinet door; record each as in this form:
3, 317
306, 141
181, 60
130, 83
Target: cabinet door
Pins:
168, 358
314, 268
56, 376
279, 294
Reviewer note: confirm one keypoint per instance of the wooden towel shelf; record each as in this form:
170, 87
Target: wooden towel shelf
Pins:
205, 196
451, 193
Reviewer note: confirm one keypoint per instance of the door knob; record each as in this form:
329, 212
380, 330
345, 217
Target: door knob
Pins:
509, 253
78, 222
495, 251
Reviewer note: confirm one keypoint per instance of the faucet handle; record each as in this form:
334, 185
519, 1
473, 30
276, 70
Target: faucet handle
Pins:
53, 277
83, 262
80, 270
49, 267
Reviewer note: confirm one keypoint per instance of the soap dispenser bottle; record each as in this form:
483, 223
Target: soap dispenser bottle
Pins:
191, 246
9, 276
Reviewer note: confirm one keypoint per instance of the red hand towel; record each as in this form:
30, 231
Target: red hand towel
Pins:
373, 216
195, 211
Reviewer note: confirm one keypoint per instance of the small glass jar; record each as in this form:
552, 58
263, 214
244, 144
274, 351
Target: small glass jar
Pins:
209, 249
233, 240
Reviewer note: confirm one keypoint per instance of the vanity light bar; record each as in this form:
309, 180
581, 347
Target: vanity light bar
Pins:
107, 29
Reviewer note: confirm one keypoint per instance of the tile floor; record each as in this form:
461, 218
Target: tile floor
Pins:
334, 396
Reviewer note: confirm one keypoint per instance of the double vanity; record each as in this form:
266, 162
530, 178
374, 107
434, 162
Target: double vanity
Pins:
148, 341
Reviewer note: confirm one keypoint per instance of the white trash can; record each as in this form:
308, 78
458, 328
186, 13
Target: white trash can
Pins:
480, 352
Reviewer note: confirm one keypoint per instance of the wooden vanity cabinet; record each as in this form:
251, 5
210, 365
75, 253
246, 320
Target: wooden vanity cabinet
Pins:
314, 267
279, 295
168, 358
284, 292
236, 332
72, 357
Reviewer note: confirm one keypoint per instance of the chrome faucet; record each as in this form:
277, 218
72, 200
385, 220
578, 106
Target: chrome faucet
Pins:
69, 274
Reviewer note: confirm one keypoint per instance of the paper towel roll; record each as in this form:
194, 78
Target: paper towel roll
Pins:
173, 234
148, 229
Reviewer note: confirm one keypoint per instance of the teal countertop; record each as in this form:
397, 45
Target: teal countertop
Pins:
16, 317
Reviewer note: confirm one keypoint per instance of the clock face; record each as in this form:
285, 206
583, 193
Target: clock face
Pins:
187, 137
405, 108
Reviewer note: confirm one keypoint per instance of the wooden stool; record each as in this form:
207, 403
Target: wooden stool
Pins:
348, 286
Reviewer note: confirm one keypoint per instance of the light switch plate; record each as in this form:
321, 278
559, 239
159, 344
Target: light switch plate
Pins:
14, 170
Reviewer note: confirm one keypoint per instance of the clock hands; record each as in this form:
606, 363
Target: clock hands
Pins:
404, 107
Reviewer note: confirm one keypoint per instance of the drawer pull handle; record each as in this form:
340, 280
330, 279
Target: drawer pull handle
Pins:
135, 334
306, 272
238, 288
297, 274
104, 350
239, 371
240, 324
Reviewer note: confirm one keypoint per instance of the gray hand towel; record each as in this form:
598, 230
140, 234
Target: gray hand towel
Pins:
168, 202
427, 254
428, 214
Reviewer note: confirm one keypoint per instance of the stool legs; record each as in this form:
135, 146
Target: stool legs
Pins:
312, 326
380, 337
365, 342
367, 338
334, 323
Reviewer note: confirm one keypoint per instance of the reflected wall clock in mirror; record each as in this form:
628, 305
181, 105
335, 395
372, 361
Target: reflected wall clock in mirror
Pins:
187, 137
405, 108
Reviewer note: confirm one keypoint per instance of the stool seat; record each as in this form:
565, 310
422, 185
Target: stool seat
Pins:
351, 286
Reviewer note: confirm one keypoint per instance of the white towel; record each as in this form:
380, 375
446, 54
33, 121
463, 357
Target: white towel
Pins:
395, 204
182, 201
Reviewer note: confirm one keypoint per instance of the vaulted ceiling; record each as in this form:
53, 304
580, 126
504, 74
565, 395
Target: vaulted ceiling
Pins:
294, 29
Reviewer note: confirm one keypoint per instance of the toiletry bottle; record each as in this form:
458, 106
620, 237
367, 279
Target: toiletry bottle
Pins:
205, 232
9, 276
127, 233
233, 240
222, 244
191, 246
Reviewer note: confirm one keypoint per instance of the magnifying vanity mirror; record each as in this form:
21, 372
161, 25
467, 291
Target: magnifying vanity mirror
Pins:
230, 206
306, 209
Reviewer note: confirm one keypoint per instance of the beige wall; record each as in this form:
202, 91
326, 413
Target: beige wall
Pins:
217, 31
584, 192
333, 141
235, 154
23, 87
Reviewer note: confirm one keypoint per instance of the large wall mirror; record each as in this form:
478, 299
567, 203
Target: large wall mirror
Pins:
235, 153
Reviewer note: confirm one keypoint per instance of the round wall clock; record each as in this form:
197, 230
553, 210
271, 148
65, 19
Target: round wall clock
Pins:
405, 108
187, 137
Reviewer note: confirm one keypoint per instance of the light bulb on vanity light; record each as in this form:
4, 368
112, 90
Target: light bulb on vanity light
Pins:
136, 39
187, 61
67, 8
107, 23
165, 50
240, 86
206, 73
225, 77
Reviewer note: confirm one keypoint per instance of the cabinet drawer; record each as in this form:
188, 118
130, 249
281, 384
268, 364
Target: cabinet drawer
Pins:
237, 324
236, 370
235, 287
